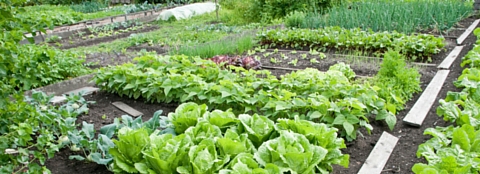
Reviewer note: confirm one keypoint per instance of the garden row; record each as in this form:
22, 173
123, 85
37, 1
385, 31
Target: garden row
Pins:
455, 149
415, 46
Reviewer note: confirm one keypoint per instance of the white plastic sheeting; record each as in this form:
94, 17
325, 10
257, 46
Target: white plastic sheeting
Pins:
187, 11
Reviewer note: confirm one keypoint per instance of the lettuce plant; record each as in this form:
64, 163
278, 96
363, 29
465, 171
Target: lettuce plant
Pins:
244, 163
259, 129
233, 144
291, 152
203, 159
451, 150
186, 116
318, 134
128, 149
222, 119
165, 154
298, 146
203, 130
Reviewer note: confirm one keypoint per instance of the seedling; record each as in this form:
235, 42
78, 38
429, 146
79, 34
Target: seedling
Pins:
251, 52
293, 62
313, 52
304, 56
293, 52
273, 60
267, 54
275, 51
313, 61
322, 56
53, 39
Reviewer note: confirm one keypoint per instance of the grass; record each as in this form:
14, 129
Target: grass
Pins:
221, 47
386, 15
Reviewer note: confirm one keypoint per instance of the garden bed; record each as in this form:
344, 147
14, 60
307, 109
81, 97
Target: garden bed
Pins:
87, 38
400, 161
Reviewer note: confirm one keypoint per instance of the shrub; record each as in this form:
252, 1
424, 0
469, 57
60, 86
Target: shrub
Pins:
267, 10
295, 19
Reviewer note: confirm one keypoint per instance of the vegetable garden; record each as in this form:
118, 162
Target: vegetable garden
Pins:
246, 89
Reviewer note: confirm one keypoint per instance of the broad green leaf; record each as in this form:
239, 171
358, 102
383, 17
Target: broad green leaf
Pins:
348, 128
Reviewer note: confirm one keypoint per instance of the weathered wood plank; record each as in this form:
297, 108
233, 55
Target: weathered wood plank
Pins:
467, 32
58, 99
447, 62
127, 109
379, 156
419, 111
87, 90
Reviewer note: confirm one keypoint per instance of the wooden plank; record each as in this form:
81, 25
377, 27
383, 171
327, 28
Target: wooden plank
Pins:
127, 109
419, 111
447, 62
467, 32
379, 155
87, 90
58, 99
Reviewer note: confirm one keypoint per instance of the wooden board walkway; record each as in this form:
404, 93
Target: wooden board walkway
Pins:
127, 109
379, 156
448, 61
419, 111
467, 32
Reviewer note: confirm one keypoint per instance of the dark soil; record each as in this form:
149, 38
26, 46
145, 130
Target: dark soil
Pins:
401, 160
97, 60
284, 61
146, 47
77, 41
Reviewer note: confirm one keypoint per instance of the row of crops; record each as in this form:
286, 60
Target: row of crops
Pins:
232, 119
57, 15
455, 149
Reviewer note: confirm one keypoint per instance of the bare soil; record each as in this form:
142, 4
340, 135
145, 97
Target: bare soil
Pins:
97, 60
401, 160
81, 38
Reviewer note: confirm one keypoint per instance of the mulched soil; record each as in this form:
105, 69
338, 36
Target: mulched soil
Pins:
401, 160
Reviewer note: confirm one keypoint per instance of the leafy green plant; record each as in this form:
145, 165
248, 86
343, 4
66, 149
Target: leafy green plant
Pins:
451, 150
37, 131
42, 65
454, 149
89, 6
293, 62
291, 152
49, 15
128, 149
396, 81
186, 116
416, 46
345, 69
206, 148
330, 97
